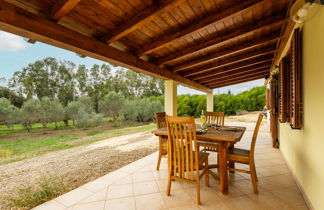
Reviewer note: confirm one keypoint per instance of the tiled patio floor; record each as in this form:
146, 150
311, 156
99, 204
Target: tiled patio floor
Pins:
139, 186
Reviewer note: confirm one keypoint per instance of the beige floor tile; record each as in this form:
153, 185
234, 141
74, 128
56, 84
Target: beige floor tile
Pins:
162, 184
161, 174
98, 205
119, 191
266, 200
51, 205
74, 196
206, 194
214, 205
127, 203
152, 201
141, 188
191, 207
143, 176
125, 180
97, 184
290, 196
178, 198
116, 175
98, 196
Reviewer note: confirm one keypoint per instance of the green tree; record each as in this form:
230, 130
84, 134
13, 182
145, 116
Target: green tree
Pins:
30, 113
111, 105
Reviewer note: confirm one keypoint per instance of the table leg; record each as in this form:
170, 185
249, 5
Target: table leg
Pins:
223, 168
231, 163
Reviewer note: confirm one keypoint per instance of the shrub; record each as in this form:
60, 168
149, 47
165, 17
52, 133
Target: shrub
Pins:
51, 111
111, 105
6, 110
85, 119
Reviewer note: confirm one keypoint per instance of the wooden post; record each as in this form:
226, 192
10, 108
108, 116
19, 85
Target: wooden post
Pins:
170, 97
210, 102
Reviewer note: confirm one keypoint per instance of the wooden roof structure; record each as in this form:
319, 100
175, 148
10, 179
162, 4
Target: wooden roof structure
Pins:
203, 44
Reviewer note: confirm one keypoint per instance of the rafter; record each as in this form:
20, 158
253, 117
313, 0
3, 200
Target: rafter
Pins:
139, 19
232, 74
237, 82
231, 60
226, 70
260, 25
232, 50
61, 8
239, 75
218, 16
21, 22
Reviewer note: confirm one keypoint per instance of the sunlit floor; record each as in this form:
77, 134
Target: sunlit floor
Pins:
139, 186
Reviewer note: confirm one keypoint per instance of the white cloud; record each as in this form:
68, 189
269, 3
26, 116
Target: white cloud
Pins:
11, 42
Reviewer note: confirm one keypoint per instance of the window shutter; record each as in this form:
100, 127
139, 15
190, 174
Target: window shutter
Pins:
295, 100
284, 89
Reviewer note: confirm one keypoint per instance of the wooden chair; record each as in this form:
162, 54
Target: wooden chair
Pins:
161, 123
247, 157
213, 118
184, 158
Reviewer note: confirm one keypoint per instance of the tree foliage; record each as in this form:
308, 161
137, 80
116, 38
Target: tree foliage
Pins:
111, 105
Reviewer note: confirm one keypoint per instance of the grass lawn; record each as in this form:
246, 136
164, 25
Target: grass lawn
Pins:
17, 144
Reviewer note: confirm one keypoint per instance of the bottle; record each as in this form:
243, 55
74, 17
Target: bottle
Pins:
203, 121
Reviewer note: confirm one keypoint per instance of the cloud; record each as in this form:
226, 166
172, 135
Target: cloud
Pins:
11, 42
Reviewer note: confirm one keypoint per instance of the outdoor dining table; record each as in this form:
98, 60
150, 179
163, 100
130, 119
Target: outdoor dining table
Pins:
225, 138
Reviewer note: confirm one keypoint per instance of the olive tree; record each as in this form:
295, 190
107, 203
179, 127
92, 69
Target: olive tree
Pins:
111, 105
30, 113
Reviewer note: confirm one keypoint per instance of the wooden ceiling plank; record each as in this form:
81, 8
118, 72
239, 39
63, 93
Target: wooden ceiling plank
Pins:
227, 75
21, 22
237, 82
139, 19
219, 54
239, 76
224, 72
260, 25
199, 25
260, 74
231, 60
61, 8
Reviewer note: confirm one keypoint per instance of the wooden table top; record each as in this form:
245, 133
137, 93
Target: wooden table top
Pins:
212, 135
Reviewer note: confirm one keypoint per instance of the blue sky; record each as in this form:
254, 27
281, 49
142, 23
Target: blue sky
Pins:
16, 53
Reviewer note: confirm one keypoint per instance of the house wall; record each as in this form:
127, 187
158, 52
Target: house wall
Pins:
304, 149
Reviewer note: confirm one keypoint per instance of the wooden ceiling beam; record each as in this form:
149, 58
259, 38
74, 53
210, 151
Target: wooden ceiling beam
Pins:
139, 19
21, 22
232, 50
232, 74
217, 16
239, 79
227, 70
259, 25
239, 75
238, 82
228, 61
61, 8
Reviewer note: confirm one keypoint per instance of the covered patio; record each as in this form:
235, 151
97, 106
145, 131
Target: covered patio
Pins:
140, 186
203, 45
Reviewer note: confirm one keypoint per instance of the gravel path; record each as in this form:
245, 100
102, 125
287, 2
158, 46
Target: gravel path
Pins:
78, 165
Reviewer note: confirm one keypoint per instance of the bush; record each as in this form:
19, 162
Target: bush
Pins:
141, 110
111, 105
85, 120
6, 110
51, 111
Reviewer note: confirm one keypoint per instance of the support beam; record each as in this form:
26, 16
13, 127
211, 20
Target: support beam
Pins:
21, 22
266, 40
170, 97
229, 75
230, 60
259, 60
210, 102
239, 78
260, 25
31, 41
140, 19
287, 31
237, 82
214, 18
61, 8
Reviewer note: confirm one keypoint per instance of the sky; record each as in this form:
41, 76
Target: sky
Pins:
16, 53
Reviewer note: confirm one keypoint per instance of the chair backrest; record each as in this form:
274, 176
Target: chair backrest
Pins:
182, 147
160, 119
215, 118
255, 135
